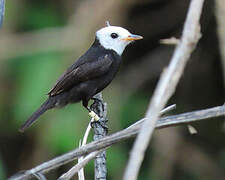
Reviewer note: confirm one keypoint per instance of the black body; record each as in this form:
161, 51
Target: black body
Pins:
89, 75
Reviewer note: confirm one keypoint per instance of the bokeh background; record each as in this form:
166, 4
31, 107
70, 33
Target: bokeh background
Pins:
40, 39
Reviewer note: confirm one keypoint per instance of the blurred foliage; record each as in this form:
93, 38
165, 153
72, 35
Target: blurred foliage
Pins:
39, 16
27, 72
136, 103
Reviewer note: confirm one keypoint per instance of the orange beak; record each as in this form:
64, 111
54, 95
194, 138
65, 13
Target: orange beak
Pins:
132, 37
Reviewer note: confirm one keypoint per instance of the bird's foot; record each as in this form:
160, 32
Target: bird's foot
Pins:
94, 115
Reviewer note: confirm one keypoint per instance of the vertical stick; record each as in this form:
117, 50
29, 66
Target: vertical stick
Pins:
166, 87
100, 131
2, 11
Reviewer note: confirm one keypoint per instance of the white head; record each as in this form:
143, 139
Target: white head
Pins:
115, 38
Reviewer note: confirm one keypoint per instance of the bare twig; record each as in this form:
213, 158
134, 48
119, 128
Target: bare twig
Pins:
185, 118
81, 171
84, 142
166, 87
165, 110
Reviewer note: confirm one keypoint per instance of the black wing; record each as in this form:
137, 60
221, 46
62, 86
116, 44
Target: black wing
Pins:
83, 72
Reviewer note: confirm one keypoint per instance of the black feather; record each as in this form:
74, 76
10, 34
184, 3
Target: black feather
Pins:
44, 107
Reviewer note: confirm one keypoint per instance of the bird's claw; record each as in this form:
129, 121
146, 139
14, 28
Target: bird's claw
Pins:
94, 115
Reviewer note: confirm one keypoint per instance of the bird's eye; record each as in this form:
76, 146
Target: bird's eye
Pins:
114, 35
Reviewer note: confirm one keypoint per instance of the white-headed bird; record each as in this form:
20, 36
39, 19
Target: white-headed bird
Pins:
90, 74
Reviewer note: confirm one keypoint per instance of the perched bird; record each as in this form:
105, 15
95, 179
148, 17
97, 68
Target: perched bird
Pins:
90, 74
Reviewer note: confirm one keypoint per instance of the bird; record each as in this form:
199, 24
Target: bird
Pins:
90, 74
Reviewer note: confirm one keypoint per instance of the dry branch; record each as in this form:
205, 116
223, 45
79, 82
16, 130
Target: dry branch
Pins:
166, 87
129, 132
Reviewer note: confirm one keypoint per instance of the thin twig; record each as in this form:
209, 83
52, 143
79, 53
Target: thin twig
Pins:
84, 142
81, 171
185, 118
165, 88
165, 110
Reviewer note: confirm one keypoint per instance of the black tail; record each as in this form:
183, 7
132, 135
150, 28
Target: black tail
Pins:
44, 107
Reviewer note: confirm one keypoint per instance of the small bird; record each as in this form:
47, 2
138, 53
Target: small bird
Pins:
90, 74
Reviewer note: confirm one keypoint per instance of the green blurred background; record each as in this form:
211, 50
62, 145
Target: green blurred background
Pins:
40, 39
